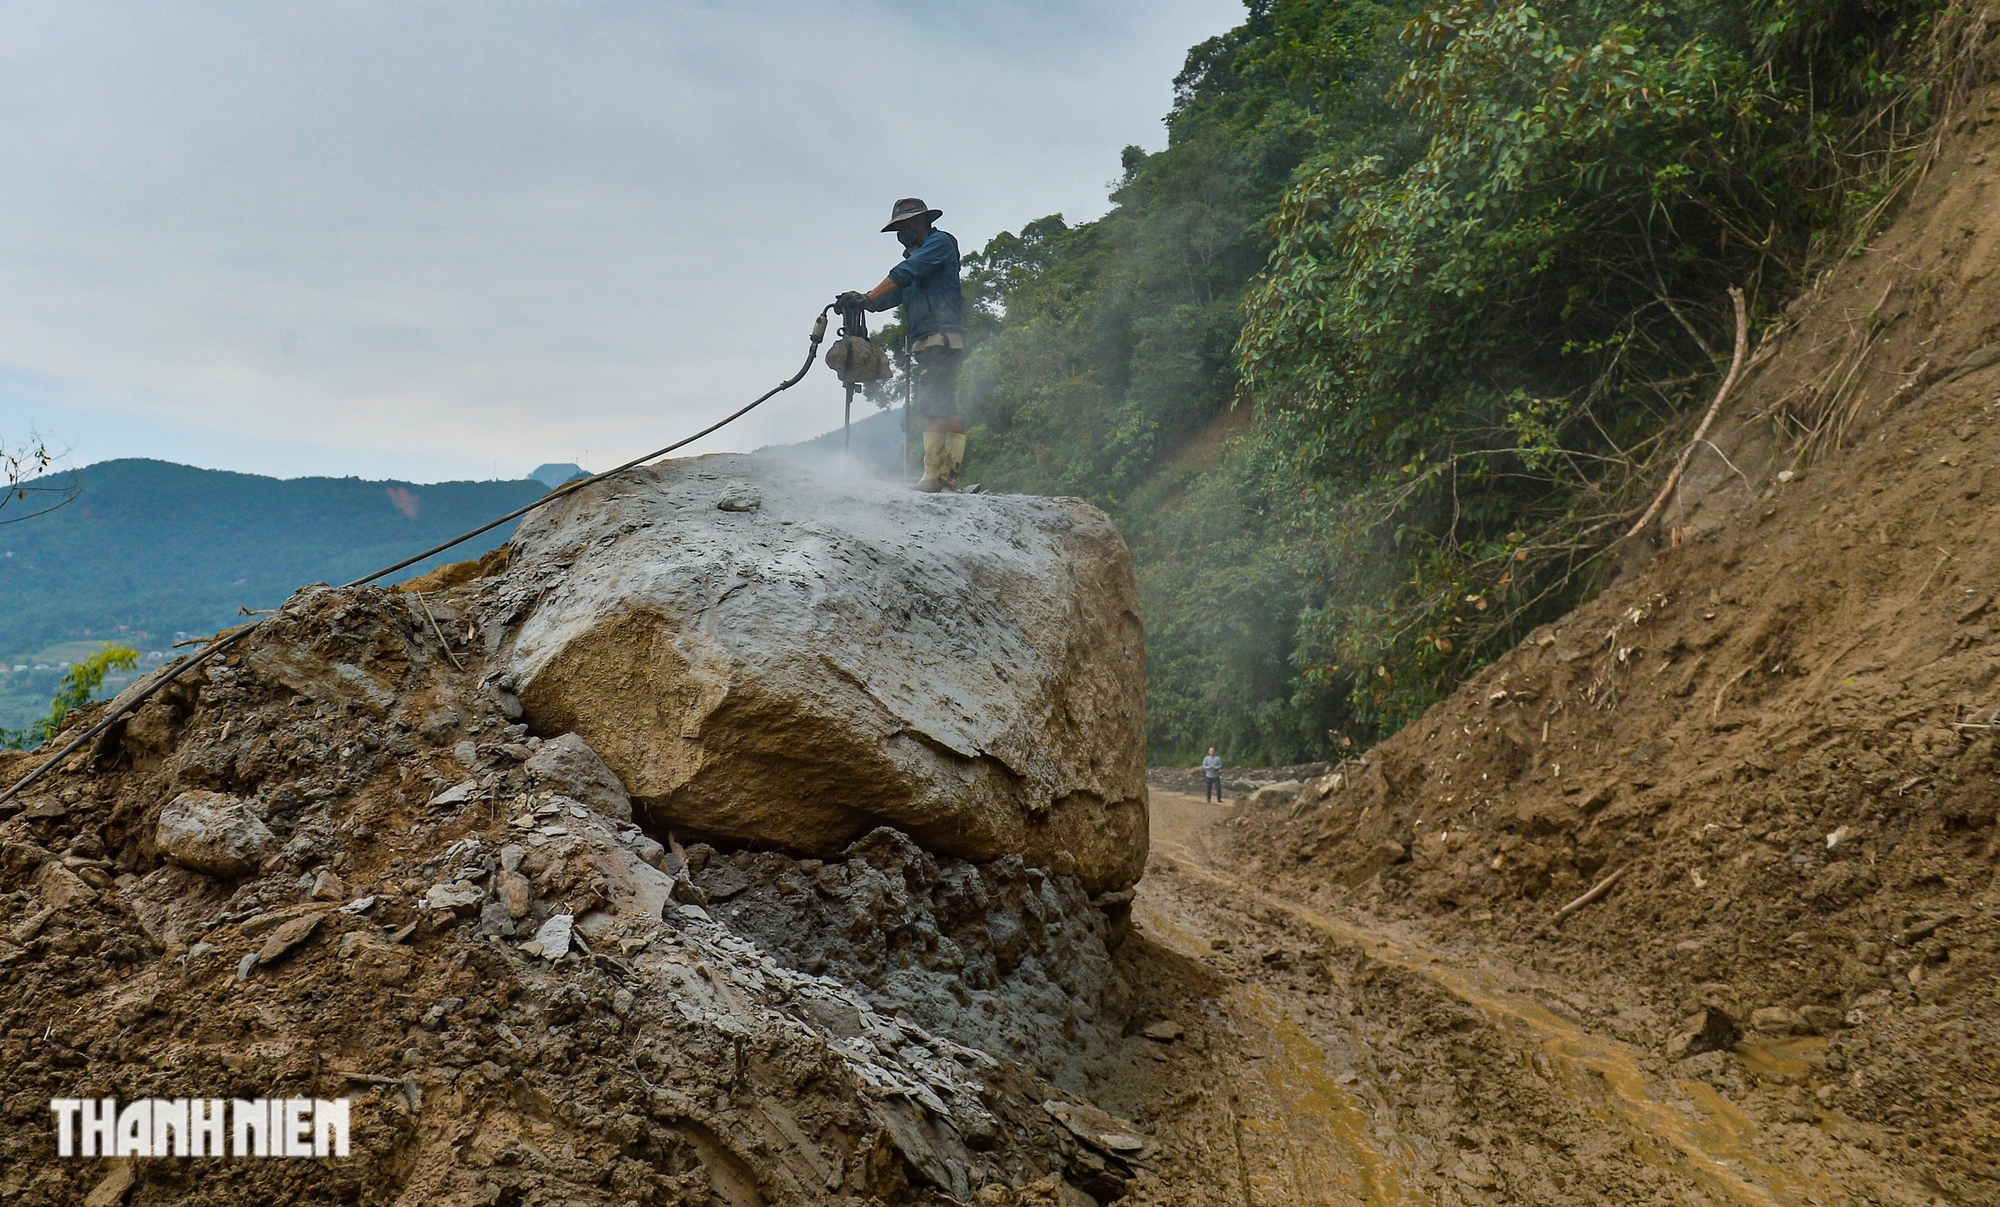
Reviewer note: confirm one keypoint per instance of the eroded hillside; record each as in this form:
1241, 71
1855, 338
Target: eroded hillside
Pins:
1781, 737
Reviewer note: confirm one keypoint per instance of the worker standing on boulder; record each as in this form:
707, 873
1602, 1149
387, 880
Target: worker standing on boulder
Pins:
926, 284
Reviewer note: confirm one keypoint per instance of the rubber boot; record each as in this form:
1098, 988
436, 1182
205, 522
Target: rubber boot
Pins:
934, 457
954, 459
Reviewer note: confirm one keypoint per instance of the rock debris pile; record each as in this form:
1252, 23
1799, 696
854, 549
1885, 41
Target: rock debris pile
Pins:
350, 859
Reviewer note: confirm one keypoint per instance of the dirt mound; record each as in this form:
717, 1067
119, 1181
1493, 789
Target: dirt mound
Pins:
334, 865
1782, 737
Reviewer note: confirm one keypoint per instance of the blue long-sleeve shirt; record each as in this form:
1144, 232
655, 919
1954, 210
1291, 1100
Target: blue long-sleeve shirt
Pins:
927, 283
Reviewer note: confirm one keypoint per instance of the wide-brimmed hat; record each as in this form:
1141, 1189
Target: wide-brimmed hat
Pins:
911, 209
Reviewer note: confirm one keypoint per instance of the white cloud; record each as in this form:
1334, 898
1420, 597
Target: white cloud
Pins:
422, 239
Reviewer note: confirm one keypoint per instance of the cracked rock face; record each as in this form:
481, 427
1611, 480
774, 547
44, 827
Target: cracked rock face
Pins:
998, 955
967, 669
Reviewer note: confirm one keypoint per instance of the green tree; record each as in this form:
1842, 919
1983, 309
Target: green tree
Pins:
1105, 364
79, 683
1371, 359
1468, 364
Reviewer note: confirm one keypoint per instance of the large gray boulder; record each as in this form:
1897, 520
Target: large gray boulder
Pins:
213, 833
767, 654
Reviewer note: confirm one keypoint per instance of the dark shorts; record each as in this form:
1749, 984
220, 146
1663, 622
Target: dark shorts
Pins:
937, 382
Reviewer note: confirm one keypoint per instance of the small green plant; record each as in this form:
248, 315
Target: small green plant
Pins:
79, 683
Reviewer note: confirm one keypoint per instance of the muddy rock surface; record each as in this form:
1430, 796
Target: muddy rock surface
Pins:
766, 654
212, 832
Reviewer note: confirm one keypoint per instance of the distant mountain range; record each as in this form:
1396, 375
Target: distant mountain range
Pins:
147, 548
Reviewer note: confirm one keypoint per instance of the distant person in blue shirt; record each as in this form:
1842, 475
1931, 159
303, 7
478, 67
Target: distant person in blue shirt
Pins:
926, 285
1211, 773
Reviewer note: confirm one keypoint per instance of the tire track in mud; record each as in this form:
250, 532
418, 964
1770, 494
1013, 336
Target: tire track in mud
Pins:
1300, 1135
1307, 1138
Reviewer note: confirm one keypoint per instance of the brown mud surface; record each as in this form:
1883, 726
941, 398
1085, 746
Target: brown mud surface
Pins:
1330, 1056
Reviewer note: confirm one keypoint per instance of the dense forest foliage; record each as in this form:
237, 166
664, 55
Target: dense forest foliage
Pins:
1373, 359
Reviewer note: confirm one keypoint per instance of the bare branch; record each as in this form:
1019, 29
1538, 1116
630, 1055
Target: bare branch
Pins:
24, 474
1735, 371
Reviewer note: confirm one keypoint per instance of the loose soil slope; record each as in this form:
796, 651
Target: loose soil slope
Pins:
1782, 735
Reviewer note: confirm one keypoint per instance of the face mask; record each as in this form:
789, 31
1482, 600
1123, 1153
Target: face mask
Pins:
908, 236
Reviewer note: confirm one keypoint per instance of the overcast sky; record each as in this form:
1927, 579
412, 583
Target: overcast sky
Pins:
435, 241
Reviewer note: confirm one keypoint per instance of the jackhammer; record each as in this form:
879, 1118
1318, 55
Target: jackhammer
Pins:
854, 358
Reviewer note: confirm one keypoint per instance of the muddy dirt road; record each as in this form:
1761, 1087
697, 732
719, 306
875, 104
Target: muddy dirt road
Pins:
1339, 1060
